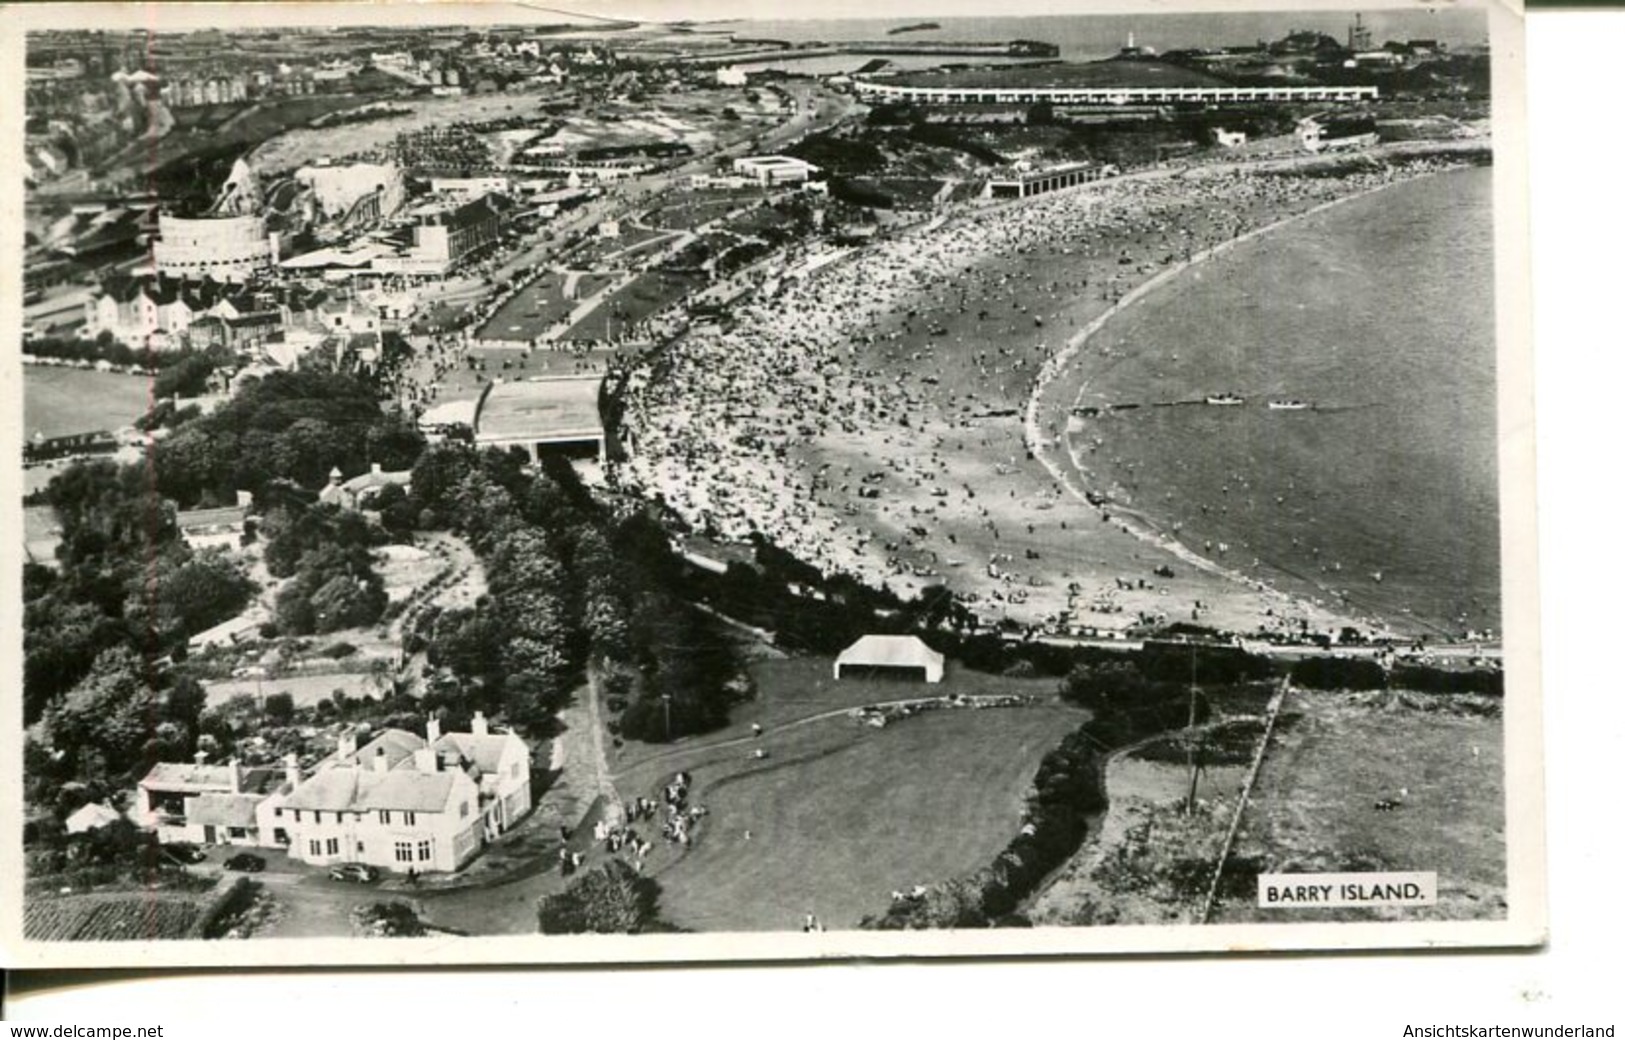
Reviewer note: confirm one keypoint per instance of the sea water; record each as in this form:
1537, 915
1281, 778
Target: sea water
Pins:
1382, 498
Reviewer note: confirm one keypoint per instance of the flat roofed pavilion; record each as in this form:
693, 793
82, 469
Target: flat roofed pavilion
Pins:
536, 412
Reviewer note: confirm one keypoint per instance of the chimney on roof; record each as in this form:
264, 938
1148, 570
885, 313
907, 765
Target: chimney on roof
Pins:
380, 761
236, 769
426, 761
480, 727
200, 757
347, 743
434, 728
290, 763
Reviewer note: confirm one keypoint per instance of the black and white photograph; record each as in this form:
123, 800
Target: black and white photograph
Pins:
499, 483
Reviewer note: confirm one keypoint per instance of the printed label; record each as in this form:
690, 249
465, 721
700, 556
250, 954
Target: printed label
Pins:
1376, 888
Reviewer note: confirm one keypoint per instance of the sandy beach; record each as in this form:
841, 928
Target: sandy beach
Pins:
891, 415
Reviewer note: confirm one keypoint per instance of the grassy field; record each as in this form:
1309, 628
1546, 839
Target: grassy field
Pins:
629, 242
60, 401
644, 295
841, 814
1313, 807
539, 306
799, 688
306, 690
690, 210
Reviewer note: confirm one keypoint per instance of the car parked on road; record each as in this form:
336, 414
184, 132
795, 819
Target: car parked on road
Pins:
354, 872
246, 862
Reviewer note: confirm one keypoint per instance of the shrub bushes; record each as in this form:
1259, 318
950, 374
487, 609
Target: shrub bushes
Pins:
613, 899
1339, 673
1068, 787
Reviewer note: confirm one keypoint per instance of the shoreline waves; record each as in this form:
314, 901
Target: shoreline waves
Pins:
886, 415
1135, 522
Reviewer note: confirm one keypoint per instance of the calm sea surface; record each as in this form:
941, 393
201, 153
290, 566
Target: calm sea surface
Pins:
1082, 38
1380, 313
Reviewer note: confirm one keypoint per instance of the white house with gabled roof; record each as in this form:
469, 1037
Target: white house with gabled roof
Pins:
402, 802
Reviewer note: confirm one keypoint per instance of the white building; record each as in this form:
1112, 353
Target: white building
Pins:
226, 248
770, 170
89, 817
205, 804
907, 653
469, 188
402, 802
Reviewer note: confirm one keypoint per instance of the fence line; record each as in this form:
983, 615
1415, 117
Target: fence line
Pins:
1273, 710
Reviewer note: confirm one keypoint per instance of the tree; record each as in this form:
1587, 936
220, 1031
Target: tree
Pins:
194, 595
279, 707
308, 450
183, 706
61, 639
103, 724
348, 601
613, 899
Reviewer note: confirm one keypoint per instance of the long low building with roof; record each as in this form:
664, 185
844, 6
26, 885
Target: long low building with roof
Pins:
536, 414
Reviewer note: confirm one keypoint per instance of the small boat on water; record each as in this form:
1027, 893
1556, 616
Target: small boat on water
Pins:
1293, 405
1225, 399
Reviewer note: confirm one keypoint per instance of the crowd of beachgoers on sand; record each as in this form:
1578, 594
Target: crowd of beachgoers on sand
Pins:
895, 365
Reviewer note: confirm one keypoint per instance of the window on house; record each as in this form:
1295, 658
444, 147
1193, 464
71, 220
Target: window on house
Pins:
332, 846
315, 847
318, 816
296, 816
410, 818
360, 847
463, 810
403, 852
277, 812
383, 815
423, 850
237, 832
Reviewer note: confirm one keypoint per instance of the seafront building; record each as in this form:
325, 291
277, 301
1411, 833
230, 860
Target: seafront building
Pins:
876, 89
1021, 182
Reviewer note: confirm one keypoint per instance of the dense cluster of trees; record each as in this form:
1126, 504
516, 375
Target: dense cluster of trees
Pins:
612, 899
124, 578
568, 586
127, 591
325, 550
294, 426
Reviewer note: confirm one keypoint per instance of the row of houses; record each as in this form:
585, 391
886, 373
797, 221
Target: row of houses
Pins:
159, 313
400, 802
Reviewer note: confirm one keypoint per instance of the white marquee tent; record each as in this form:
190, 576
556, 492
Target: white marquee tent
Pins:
892, 652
